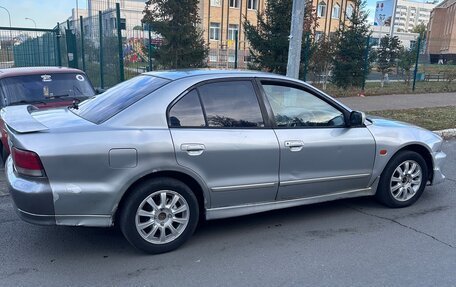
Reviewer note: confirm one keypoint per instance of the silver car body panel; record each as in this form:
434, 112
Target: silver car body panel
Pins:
90, 167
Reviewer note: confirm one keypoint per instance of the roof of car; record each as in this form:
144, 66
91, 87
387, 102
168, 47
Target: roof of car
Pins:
179, 74
14, 72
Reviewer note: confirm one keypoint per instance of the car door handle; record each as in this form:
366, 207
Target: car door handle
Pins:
294, 145
193, 149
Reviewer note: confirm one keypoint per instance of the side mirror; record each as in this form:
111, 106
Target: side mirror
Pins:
357, 119
99, 91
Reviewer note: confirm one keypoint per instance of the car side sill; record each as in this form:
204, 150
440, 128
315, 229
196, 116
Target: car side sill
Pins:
232, 211
322, 179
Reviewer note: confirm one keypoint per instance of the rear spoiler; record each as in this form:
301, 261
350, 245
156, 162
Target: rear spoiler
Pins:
20, 119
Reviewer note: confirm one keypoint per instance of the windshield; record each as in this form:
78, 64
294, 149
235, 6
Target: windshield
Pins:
100, 108
45, 87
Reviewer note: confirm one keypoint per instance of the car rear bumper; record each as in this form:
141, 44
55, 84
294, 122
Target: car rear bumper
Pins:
438, 176
33, 199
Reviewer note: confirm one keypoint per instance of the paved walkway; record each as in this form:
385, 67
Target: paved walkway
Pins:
397, 102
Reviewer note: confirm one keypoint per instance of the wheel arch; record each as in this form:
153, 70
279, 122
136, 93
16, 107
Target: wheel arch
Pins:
187, 179
424, 152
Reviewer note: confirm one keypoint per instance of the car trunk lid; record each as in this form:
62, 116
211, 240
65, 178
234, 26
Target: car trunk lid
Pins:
29, 119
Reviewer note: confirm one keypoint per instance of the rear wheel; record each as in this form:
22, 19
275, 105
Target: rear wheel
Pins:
403, 180
159, 215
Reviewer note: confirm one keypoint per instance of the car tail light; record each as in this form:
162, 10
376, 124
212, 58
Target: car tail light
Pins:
27, 162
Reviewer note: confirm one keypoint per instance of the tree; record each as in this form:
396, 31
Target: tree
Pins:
176, 21
387, 54
406, 62
420, 29
349, 65
322, 59
269, 37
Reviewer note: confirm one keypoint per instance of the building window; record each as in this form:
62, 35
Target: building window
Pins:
349, 11
235, 3
252, 4
216, 3
213, 58
321, 9
232, 29
336, 11
214, 31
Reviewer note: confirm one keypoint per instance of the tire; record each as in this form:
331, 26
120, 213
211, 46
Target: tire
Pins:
176, 219
398, 190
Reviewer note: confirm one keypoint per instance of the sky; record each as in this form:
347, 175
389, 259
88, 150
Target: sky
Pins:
47, 13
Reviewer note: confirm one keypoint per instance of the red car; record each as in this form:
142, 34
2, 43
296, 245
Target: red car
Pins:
43, 87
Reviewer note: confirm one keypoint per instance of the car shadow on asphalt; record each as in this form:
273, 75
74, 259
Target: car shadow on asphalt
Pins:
109, 241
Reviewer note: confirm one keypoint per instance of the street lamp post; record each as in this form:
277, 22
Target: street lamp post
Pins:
9, 15
11, 35
27, 18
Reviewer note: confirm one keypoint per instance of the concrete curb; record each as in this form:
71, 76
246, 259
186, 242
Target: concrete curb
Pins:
447, 134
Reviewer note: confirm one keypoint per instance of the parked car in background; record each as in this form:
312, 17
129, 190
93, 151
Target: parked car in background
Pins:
43, 87
157, 152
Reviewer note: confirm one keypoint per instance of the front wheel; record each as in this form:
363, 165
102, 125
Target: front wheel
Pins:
403, 180
159, 215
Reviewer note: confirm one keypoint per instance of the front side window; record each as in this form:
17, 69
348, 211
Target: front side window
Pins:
252, 4
336, 11
321, 9
231, 104
214, 31
294, 108
187, 112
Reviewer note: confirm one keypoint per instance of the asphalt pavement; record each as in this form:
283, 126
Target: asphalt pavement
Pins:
397, 102
355, 242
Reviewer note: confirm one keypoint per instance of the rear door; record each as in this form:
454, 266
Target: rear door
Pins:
219, 132
319, 154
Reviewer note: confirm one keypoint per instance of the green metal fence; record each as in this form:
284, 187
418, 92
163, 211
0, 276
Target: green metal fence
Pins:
23, 47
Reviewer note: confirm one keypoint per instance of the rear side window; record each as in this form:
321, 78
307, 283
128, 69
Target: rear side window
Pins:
231, 104
187, 112
100, 108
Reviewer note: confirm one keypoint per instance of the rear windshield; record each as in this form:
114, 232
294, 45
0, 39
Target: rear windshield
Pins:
45, 87
101, 107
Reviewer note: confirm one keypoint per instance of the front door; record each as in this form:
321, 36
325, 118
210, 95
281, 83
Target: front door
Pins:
319, 154
219, 132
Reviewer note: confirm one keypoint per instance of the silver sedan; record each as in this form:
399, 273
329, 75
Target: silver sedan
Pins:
161, 151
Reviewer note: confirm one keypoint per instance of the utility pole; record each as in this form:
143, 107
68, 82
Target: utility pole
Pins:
393, 17
294, 50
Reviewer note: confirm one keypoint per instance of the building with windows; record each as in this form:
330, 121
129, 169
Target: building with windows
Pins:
408, 39
131, 14
221, 19
410, 14
441, 37
331, 14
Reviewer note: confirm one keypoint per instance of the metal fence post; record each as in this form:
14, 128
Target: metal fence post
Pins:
100, 24
119, 39
82, 44
366, 63
418, 44
59, 53
306, 56
236, 47
150, 47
